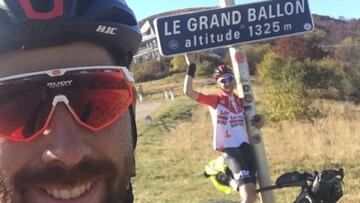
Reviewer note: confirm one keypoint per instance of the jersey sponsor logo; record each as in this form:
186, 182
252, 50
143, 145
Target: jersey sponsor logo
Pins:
220, 117
224, 113
57, 10
221, 122
236, 120
106, 29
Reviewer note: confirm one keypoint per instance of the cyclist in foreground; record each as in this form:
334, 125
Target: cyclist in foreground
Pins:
228, 119
67, 126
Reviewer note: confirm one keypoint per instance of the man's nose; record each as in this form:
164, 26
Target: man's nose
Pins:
65, 143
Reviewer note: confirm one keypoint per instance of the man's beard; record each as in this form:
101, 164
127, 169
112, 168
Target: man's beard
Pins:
87, 169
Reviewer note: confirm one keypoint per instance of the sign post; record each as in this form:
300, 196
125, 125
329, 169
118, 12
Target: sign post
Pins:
243, 80
242, 75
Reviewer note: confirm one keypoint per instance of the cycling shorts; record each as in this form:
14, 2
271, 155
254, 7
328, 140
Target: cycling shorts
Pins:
241, 162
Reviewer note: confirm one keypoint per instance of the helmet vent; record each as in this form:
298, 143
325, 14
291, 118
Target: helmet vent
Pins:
83, 7
42, 6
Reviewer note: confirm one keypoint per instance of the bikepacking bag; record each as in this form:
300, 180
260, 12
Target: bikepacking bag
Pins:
219, 175
327, 186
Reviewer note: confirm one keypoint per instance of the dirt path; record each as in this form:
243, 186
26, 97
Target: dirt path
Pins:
145, 108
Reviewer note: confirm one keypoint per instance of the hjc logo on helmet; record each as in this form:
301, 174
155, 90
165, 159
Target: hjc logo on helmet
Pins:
106, 29
30, 12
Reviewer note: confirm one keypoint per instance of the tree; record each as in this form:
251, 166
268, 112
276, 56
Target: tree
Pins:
178, 64
255, 54
285, 95
316, 40
296, 48
316, 36
149, 70
348, 50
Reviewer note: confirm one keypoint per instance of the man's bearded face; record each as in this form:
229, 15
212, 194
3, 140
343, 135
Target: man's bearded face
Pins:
67, 163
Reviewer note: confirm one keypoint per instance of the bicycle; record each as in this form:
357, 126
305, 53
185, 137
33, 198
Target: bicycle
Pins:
316, 187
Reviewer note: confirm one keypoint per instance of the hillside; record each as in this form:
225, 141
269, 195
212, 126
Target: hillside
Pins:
337, 29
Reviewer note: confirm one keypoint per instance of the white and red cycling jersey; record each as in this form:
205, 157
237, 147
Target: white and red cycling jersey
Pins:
228, 119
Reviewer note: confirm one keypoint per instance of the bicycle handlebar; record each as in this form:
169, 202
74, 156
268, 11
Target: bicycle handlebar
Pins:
296, 179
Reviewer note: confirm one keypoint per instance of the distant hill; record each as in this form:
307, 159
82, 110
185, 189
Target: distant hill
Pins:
336, 29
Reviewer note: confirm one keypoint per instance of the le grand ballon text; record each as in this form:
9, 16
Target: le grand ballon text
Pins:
230, 19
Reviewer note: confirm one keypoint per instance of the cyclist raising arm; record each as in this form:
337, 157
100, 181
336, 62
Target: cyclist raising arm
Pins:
228, 119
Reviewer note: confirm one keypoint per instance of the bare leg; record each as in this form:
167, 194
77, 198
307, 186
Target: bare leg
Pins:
247, 193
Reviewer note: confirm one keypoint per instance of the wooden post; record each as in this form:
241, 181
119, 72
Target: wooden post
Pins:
243, 81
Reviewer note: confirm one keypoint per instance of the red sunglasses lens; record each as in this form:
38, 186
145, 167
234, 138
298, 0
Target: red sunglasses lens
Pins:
24, 107
97, 99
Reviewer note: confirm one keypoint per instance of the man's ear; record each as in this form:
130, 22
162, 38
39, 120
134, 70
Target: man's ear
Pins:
132, 109
134, 97
133, 172
133, 125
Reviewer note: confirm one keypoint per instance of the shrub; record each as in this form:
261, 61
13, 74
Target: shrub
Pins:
355, 82
343, 76
295, 47
205, 67
319, 74
148, 70
255, 54
348, 82
178, 64
348, 50
284, 96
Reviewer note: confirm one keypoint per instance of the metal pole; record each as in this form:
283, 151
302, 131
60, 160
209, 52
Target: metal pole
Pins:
242, 75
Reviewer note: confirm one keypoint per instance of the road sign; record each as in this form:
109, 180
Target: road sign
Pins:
232, 25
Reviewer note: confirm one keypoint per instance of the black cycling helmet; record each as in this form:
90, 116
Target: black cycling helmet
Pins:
221, 70
38, 23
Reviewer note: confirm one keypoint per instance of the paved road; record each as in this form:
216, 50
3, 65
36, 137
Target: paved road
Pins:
145, 108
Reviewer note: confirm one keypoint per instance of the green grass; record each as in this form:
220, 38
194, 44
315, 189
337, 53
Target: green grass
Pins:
165, 173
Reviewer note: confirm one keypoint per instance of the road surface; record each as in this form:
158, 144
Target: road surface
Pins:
145, 108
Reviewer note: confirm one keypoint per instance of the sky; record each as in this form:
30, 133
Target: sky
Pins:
333, 8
